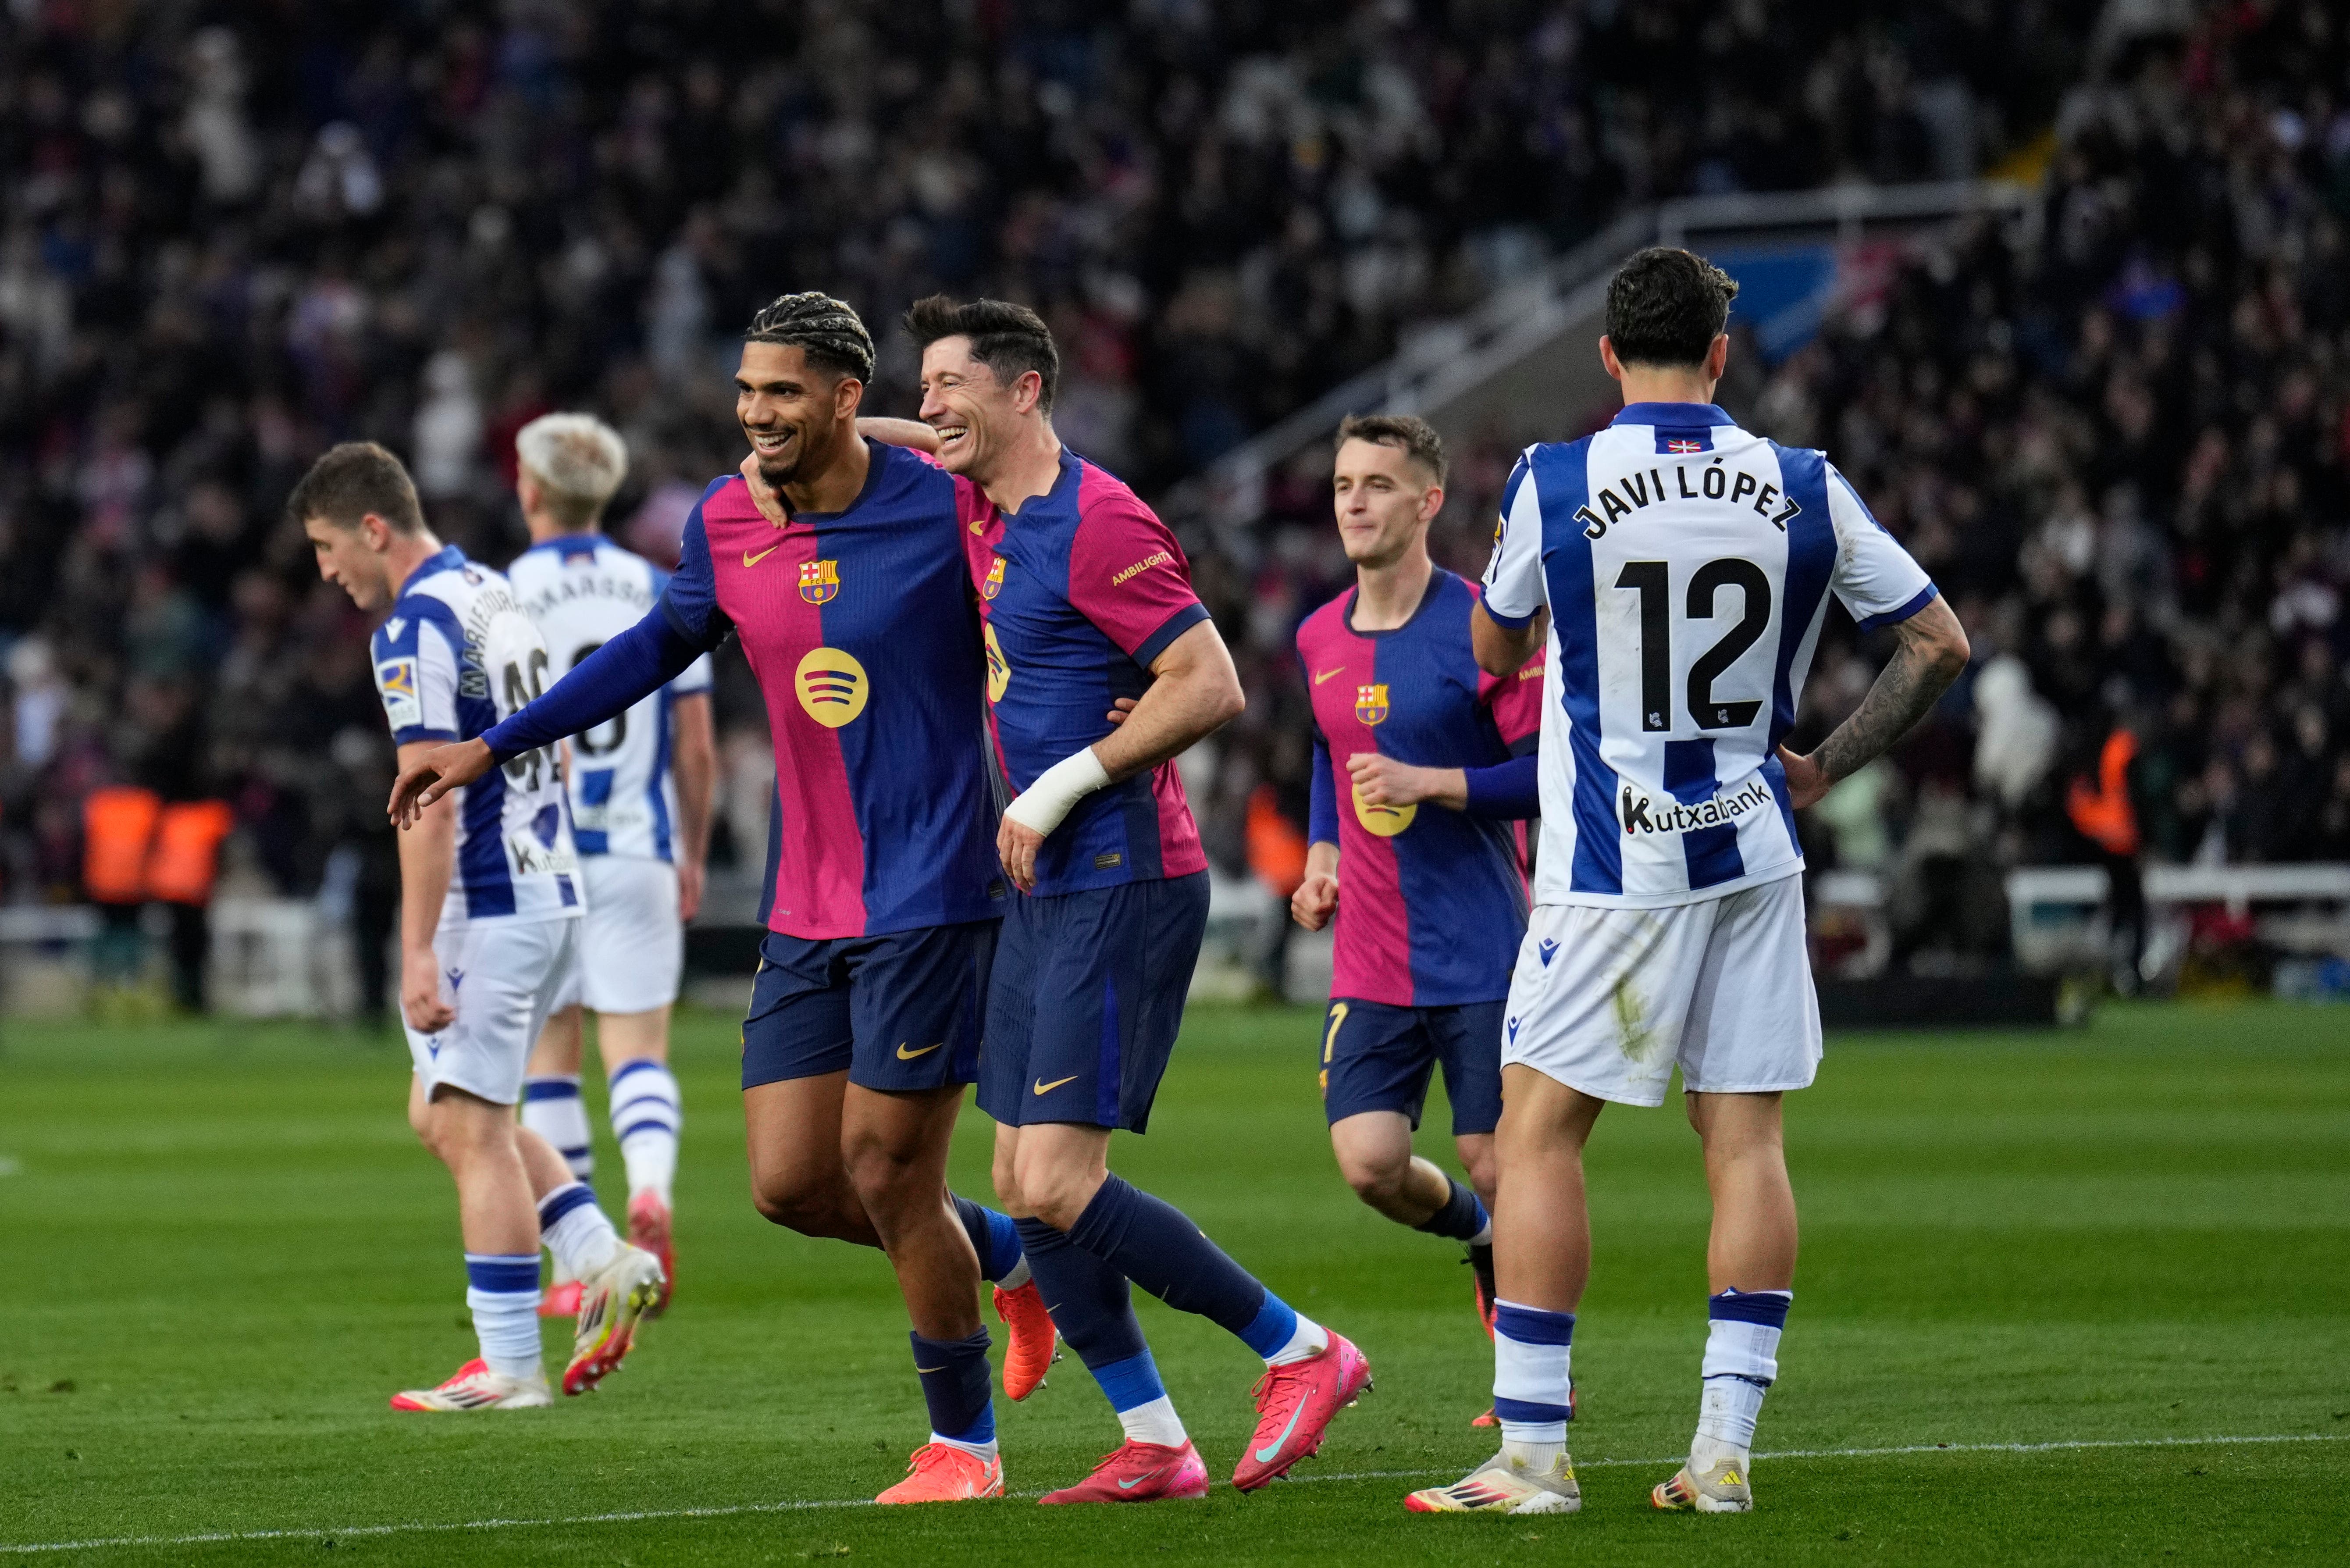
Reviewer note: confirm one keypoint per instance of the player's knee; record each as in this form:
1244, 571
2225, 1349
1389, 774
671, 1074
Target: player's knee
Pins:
1376, 1179
788, 1199
1008, 1184
1057, 1196
879, 1170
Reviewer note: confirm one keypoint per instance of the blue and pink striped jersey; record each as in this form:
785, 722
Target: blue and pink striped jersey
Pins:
1431, 901
860, 627
1080, 590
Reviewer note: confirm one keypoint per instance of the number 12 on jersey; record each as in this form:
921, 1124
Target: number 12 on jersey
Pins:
1652, 581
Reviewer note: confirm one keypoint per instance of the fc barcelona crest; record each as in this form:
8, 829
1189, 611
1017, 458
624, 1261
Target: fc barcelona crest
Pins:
995, 584
1371, 703
819, 581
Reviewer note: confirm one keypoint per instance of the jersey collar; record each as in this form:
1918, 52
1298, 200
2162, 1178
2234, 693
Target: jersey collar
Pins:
448, 559
1427, 596
570, 544
1671, 414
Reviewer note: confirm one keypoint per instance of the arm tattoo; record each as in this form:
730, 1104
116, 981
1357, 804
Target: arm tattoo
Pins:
1912, 681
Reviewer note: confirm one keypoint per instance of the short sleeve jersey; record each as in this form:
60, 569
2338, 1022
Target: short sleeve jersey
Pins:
583, 590
1685, 565
1415, 879
1080, 591
860, 627
457, 654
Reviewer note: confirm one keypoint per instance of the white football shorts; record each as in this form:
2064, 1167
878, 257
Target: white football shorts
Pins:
1610, 1001
503, 977
632, 949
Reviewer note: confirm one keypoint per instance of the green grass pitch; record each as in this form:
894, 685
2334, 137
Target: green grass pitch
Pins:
2122, 1242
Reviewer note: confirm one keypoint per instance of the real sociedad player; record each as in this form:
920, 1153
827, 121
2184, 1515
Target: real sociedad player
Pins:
1421, 761
1685, 566
1087, 599
883, 897
489, 922
640, 793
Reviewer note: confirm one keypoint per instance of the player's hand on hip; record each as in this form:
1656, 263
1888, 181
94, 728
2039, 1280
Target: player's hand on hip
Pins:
1315, 898
1383, 780
434, 774
690, 881
419, 993
763, 495
1016, 845
1120, 708
1807, 782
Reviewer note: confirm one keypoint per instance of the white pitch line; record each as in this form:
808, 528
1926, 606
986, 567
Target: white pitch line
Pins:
640, 1516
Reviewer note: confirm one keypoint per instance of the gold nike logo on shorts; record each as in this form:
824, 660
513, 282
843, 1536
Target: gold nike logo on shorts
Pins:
906, 1055
1045, 1088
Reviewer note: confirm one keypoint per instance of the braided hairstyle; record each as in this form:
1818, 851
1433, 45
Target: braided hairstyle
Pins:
827, 331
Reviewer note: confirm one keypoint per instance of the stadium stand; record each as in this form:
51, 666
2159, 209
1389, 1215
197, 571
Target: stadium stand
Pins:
225, 245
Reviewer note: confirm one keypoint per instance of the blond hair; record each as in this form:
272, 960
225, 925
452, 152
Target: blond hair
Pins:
578, 461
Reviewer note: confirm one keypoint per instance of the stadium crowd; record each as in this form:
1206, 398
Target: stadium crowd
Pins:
227, 245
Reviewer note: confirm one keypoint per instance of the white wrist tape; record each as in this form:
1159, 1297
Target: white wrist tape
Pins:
1043, 805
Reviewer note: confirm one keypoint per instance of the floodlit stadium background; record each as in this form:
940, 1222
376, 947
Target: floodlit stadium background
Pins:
2061, 285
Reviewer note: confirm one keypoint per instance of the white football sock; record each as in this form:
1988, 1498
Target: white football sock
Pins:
552, 1108
986, 1451
646, 1117
1017, 1277
1306, 1341
1533, 1352
1154, 1421
502, 1292
577, 1231
1741, 1362
1727, 1410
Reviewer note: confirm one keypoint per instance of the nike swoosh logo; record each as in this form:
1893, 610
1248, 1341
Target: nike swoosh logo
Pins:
1323, 675
1045, 1088
1265, 1455
906, 1055
750, 560
930, 1369
1130, 1485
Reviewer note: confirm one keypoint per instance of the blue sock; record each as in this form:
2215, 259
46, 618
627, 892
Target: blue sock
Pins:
993, 1237
1150, 1242
1461, 1218
955, 1386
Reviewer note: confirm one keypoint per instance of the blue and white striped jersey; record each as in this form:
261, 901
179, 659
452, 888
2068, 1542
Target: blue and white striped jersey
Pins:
457, 655
584, 590
1685, 565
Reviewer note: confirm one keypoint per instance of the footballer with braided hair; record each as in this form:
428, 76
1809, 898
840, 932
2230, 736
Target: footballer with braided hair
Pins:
883, 894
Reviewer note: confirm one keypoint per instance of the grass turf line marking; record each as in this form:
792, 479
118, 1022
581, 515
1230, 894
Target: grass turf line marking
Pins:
641, 1516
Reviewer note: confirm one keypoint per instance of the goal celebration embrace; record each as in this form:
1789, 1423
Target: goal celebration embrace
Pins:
949, 610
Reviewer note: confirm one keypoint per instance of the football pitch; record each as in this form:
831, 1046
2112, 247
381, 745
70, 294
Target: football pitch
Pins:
2064, 1297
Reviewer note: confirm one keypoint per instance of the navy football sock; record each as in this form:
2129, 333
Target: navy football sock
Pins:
993, 1236
1093, 1310
1088, 1299
1152, 1242
955, 1387
1460, 1218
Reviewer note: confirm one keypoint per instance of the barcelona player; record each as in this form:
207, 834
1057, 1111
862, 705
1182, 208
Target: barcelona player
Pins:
1088, 600
1421, 761
883, 897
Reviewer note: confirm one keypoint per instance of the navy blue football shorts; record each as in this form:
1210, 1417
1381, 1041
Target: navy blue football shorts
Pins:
1378, 1057
1086, 999
901, 1011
